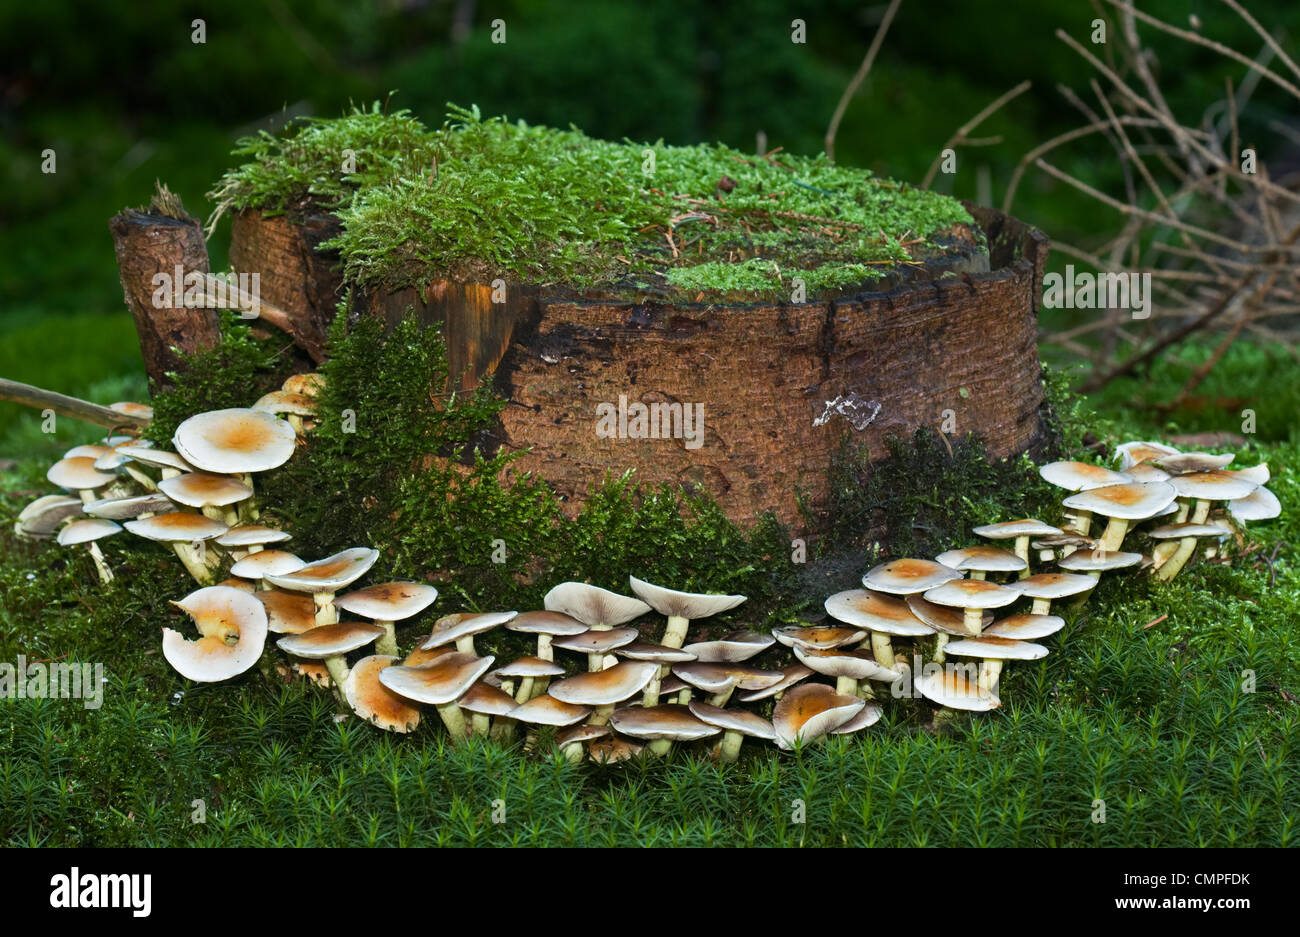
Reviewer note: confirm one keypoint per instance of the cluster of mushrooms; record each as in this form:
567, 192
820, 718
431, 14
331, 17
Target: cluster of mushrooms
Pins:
630, 693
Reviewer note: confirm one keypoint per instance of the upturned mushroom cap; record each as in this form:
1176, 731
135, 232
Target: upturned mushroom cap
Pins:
1129, 501
1134, 453
235, 441
949, 687
159, 458
995, 648
1259, 474
329, 640
283, 401
373, 701
233, 628
690, 605
981, 558
790, 675
716, 678
605, 687
1079, 476
78, 474
1260, 505
86, 530
817, 636
597, 642
593, 605
1178, 531
389, 601
1009, 530
946, 619
177, 527
873, 611
438, 683
1026, 627
487, 700
732, 647
809, 711
125, 509
971, 593
733, 720
659, 653
266, 563
546, 710
252, 535
451, 628
202, 489
1053, 585
43, 516
667, 721
1212, 486
906, 576
1184, 462
552, 623
131, 408
288, 612
867, 716
530, 667
1098, 560
330, 574
841, 662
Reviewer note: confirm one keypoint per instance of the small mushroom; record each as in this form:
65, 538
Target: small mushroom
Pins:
1044, 588
721, 680
263, 563
981, 560
790, 676
1138, 453
373, 701
735, 725
948, 686
1095, 562
1184, 532
603, 689
236, 441
207, 492
681, 608
1260, 505
292, 405
992, 651
810, 711
1123, 504
819, 637
439, 684
42, 518
531, 671
1025, 627
483, 702
661, 725
1203, 488
546, 710
1020, 531
387, 604
972, 596
186, 532
78, 474
547, 626
732, 647
287, 612
125, 509
326, 577
87, 531
880, 615
459, 629
907, 576
1080, 476
597, 644
330, 643
250, 538
571, 740
232, 625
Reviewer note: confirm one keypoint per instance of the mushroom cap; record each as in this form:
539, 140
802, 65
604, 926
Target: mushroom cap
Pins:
93, 451
733, 720
673, 684
1129, 501
1008, 530
1098, 560
1026, 627
839, 662
530, 667
735, 646
159, 458
596, 641
203, 489
235, 441
1183, 462
790, 675
330, 574
131, 408
906, 576
867, 716
373, 701
982, 558
1259, 474
1147, 472
811, 710
43, 516
176, 527
309, 383
438, 683
659, 653
576, 735
689, 605
217, 611
718, 677
817, 636
971, 593
487, 700
1071, 539
605, 687
78, 474
1135, 453
422, 655
1187, 529
389, 601
266, 563
283, 401
1079, 476
552, 623
666, 721
123, 509
949, 687
593, 605
1053, 585
1260, 505
252, 535
546, 710
612, 750
287, 612
874, 611
86, 530
942, 618
243, 585
313, 670
1212, 486
329, 640
995, 648
451, 628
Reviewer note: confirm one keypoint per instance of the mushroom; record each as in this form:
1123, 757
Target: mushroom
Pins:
87, 531
810, 711
250, 538
972, 596
722, 679
530, 671
1080, 476
78, 474
125, 509
1260, 505
661, 725
171, 463
732, 647
1131, 454
131, 408
183, 530
735, 725
819, 637
324, 578
881, 615
595, 607
659, 654
373, 701
439, 684
547, 626
596, 644
992, 651
236, 441
309, 384
790, 675
602, 689
265, 563
207, 492
1122, 504
907, 576
867, 716
848, 667
1183, 463
1020, 531
294, 406
1183, 533
982, 559
947, 686
233, 629
287, 612
387, 604
570, 740
1203, 488
681, 608
43, 516
459, 629
330, 643
612, 750
1044, 588
1093, 563
1025, 627
546, 710
484, 701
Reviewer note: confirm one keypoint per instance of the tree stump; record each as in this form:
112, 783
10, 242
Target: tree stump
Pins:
149, 243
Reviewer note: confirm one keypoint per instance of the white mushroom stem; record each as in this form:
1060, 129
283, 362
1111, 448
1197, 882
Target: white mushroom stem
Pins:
326, 612
1022, 551
1113, 538
1080, 522
596, 662
973, 619
145, 482
387, 643
525, 690
193, 564
466, 645
454, 719
721, 699
939, 643
729, 748
846, 686
105, 574
990, 674
1186, 545
480, 723
572, 752
1041, 607
978, 574
503, 728
1167, 548
882, 648
601, 716
660, 747
675, 633
87, 495
337, 665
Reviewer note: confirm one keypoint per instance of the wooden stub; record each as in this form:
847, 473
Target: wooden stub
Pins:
147, 245
293, 274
